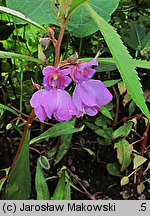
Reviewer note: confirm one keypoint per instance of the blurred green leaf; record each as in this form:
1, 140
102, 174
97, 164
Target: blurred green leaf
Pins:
4, 54
99, 131
113, 169
124, 151
105, 111
20, 15
67, 194
40, 183
124, 180
138, 161
123, 131
109, 83
8, 109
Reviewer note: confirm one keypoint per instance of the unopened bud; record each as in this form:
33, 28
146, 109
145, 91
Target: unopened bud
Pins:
36, 86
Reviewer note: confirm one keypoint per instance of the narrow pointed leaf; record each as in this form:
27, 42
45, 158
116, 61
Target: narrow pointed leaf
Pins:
2, 106
4, 54
60, 188
18, 186
40, 184
122, 59
59, 129
20, 16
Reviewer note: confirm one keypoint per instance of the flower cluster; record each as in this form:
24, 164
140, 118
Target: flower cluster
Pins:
88, 96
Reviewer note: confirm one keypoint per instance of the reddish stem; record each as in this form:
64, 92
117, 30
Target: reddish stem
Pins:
58, 44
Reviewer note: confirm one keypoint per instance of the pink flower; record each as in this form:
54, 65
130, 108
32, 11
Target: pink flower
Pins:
89, 95
54, 100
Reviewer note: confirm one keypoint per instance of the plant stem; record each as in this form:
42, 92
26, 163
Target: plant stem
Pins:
57, 46
27, 126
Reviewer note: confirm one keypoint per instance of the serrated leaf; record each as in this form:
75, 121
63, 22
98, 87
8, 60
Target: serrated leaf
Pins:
58, 129
124, 180
113, 169
124, 151
40, 184
18, 186
123, 60
20, 16
123, 131
138, 161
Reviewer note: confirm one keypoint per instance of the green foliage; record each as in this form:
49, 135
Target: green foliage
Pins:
113, 169
124, 180
12, 55
59, 129
124, 130
62, 191
123, 60
20, 16
40, 183
138, 161
19, 183
124, 151
65, 145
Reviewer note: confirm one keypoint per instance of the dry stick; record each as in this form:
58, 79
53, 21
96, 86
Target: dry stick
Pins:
143, 146
46, 123
85, 191
117, 107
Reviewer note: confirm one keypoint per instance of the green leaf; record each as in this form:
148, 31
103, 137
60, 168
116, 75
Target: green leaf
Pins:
75, 4
58, 129
138, 161
109, 83
8, 109
82, 25
136, 35
105, 111
90, 152
59, 192
64, 147
142, 63
40, 10
18, 186
103, 67
124, 180
11, 55
21, 16
40, 184
113, 169
123, 131
124, 151
67, 193
122, 59
99, 131
111, 61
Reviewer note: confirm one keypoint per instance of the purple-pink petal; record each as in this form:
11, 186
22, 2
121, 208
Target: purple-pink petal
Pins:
103, 95
40, 112
48, 70
65, 107
84, 65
